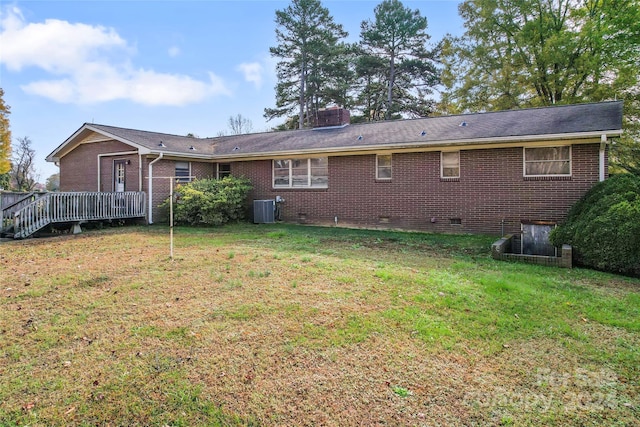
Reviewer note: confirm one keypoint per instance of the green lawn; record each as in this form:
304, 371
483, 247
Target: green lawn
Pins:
291, 325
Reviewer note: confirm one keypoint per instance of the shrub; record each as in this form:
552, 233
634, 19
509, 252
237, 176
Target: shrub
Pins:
211, 201
604, 226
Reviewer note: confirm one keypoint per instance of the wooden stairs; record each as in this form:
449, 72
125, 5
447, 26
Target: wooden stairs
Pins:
32, 212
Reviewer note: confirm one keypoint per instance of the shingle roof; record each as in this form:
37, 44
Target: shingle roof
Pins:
570, 119
152, 140
478, 128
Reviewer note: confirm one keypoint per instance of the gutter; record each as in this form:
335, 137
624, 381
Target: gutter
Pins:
151, 187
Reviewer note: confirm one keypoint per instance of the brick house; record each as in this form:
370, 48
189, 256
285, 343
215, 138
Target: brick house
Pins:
472, 173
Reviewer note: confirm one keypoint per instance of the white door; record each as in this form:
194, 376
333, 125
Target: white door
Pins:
119, 174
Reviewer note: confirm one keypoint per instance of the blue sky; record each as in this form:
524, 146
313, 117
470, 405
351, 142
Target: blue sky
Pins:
168, 66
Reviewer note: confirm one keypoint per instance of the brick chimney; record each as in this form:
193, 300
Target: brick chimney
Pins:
333, 116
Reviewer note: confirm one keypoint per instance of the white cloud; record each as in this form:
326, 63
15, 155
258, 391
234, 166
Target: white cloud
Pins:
59, 90
252, 72
144, 87
91, 64
55, 46
151, 88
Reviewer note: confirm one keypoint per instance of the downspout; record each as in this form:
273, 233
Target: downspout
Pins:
151, 187
139, 172
603, 145
100, 156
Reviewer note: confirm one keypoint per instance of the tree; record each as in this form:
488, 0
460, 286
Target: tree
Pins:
398, 36
604, 226
212, 201
5, 136
23, 176
310, 57
371, 87
240, 125
625, 153
540, 52
53, 182
5, 181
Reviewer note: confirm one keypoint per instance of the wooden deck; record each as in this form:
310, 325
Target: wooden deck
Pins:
31, 213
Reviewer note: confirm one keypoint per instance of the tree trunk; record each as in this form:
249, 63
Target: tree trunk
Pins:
301, 99
392, 76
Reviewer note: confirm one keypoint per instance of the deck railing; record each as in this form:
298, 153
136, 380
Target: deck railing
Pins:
77, 207
11, 202
8, 198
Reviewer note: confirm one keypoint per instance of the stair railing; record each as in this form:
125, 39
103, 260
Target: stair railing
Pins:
77, 207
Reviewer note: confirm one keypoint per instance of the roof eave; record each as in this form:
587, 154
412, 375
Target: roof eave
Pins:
55, 157
52, 157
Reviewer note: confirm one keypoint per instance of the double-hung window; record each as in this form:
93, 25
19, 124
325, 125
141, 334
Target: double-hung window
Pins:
450, 164
383, 166
547, 161
301, 173
183, 171
224, 170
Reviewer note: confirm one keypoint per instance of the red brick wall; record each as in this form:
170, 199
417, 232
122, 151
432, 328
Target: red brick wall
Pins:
490, 189
79, 168
79, 171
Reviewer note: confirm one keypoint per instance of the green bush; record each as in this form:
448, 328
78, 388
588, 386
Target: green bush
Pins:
604, 226
211, 201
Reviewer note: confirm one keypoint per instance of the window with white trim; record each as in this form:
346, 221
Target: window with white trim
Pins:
223, 170
183, 171
301, 173
547, 161
450, 164
383, 166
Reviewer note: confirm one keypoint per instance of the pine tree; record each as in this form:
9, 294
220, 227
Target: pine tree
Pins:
398, 37
310, 65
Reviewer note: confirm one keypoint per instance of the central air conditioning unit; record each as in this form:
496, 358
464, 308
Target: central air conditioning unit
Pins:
264, 211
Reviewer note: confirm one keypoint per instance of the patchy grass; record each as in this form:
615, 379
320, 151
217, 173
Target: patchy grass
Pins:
288, 325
